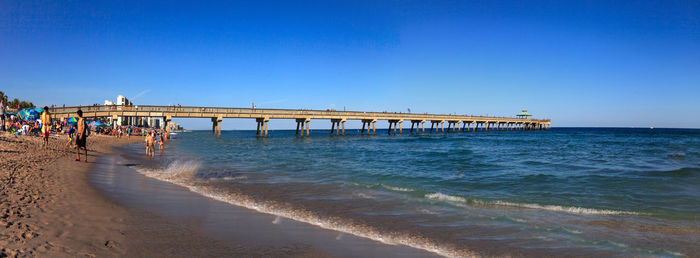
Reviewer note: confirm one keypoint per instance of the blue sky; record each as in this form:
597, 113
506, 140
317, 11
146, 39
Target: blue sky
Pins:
580, 63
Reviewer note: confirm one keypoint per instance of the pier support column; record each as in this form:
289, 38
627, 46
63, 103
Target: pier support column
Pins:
449, 125
262, 127
332, 127
442, 124
257, 130
412, 124
301, 122
342, 122
363, 128
400, 128
216, 125
422, 123
308, 132
431, 126
374, 127
167, 120
389, 131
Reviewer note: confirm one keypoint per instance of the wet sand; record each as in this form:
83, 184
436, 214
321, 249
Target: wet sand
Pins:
49, 207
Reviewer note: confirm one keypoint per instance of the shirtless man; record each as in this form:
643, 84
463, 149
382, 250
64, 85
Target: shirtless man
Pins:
149, 144
81, 136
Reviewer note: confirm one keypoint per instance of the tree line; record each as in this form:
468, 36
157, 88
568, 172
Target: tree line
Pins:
15, 103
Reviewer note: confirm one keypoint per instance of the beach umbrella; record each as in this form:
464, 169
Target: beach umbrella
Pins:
73, 121
97, 123
30, 114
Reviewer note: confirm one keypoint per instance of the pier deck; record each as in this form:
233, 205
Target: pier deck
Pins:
455, 123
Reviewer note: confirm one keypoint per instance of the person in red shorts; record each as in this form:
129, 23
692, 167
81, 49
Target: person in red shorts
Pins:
45, 125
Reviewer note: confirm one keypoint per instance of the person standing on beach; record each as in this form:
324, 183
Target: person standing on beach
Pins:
45, 125
81, 136
2, 115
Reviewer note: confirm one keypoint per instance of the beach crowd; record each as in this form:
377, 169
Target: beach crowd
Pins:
76, 129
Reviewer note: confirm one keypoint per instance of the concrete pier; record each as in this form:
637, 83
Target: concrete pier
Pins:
455, 123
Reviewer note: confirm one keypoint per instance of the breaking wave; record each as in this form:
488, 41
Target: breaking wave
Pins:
556, 208
179, 169
397, 189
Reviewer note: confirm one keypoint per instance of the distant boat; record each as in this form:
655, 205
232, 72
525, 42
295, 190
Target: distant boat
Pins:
652, 128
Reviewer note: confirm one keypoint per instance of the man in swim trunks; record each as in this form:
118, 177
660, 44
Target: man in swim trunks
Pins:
45, 125
81, 136
150, 138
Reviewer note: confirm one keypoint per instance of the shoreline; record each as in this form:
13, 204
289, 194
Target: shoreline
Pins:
248, 232
49, 208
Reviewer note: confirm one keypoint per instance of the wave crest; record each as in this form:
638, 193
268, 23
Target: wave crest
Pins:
179, 169
556, 208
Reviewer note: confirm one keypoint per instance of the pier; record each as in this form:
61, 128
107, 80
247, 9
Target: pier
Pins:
337, 119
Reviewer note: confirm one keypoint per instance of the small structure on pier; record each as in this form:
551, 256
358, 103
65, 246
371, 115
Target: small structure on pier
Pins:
524, 114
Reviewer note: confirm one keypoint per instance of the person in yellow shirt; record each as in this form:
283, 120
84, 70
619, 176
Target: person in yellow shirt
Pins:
45, 125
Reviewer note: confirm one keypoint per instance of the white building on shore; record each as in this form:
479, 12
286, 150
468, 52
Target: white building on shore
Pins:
153, 122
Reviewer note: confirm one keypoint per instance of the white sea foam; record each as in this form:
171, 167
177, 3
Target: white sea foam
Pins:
445, 197
556, 208
363, 195
182, 173
398, 189
179, 169
566, 209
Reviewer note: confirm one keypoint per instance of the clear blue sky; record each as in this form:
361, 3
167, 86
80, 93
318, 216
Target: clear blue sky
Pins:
580, 63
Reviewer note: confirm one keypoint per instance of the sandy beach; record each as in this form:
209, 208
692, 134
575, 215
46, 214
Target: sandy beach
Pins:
50, 209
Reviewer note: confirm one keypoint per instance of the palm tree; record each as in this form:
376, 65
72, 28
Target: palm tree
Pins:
3, 97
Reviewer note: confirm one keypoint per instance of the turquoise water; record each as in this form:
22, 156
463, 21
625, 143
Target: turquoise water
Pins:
586, 191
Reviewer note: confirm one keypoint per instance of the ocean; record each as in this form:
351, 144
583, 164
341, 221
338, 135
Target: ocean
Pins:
564, 191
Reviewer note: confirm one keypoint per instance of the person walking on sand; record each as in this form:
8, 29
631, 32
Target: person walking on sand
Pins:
2, 115
45, 125
81, 136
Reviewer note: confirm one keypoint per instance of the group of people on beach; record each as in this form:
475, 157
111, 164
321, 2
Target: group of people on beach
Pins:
155, 137
77, 131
